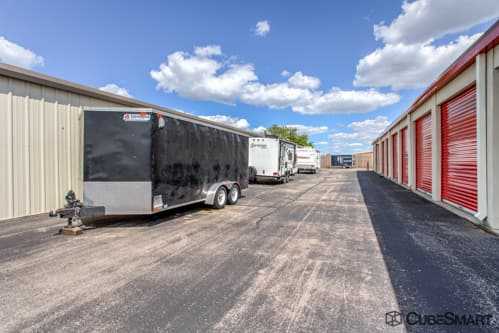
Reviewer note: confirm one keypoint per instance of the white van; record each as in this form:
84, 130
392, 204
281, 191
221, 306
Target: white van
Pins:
271, 159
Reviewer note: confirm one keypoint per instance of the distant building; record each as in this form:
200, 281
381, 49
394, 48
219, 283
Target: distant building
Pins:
363, 160
341, 161
326, 161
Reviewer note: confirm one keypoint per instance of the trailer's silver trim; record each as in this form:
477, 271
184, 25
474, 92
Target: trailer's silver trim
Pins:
119, 198
210, 195
135, 198
178, 206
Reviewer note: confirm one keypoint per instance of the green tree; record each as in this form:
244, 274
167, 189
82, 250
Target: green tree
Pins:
290, 134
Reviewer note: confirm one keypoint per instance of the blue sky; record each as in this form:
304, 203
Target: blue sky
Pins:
351, 67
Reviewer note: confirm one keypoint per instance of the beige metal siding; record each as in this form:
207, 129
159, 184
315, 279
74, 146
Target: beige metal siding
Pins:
363, 160
326, 161
41, 150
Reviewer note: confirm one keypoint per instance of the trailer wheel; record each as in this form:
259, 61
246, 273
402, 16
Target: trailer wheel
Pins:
252, 175
234, 195
220, 198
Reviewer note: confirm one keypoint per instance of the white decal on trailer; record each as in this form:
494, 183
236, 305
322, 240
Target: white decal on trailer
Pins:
136, 117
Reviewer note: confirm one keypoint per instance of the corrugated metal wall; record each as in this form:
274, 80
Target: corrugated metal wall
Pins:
363, 160
40, 154
326, 161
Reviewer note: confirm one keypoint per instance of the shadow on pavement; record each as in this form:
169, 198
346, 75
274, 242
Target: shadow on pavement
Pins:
437, 261
123, 221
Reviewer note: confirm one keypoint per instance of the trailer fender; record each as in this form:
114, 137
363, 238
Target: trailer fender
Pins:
210, 195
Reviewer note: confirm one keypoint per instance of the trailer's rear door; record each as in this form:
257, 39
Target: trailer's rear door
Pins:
117, 161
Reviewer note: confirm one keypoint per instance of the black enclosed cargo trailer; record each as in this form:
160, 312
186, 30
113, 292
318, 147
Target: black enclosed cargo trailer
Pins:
142, 161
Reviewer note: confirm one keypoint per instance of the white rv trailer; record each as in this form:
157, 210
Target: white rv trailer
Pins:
307, 159
271, 159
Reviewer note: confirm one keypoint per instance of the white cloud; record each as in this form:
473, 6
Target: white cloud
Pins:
262, 28
275, 95
424, 20
207, 51
321, 143
285, 73
408, 66
115, 89
203, 76
298, 80
13, 54
301, 129
370, 128
309, 130
260, 129
347, 101
409, 57
361, 134
306, 101
240, 123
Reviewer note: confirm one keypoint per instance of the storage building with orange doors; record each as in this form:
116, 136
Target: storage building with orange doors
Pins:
445, 147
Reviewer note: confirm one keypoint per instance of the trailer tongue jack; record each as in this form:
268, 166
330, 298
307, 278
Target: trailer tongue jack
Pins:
74, 211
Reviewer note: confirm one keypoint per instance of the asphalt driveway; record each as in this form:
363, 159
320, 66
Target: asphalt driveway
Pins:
327, 252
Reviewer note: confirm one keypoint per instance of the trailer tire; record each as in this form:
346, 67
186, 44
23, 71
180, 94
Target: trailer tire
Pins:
252, 175
220, 198
233, 195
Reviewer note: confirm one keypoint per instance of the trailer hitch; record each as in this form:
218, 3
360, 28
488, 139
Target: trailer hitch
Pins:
73, 211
